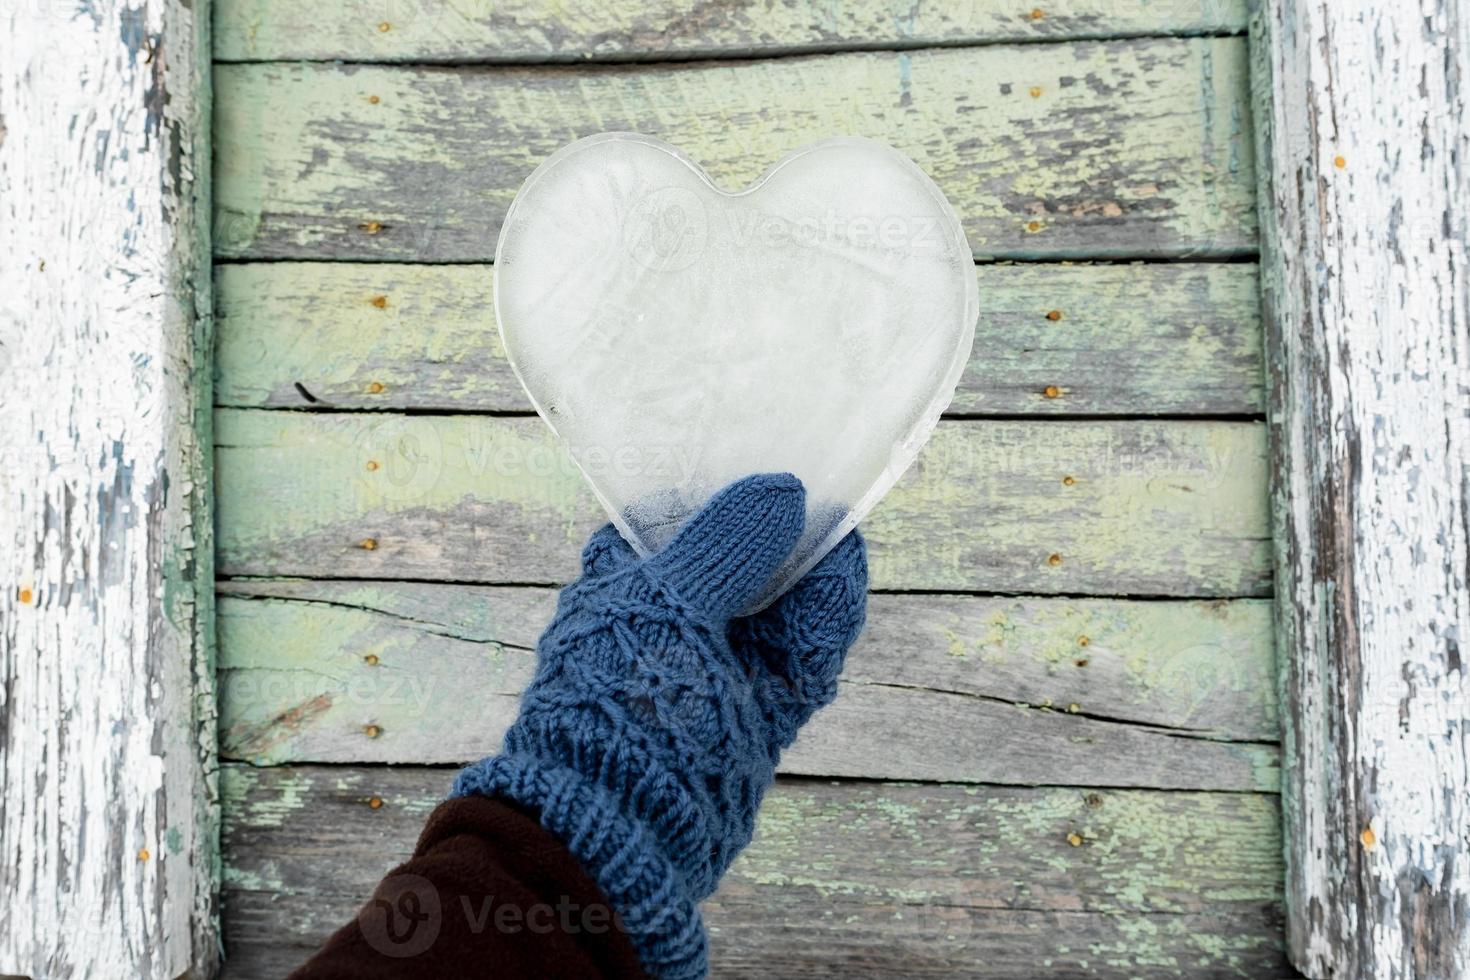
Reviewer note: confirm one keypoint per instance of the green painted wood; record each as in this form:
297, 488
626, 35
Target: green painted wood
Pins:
1113, 340
865, 880
532, 30
1137, 148
958, 689
1197, 667
1152, 508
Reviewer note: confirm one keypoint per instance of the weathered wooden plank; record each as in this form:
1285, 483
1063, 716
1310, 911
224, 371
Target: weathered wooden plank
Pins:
1111, 340
802, 934
1098, 693
1154, 508
107, 772
1122, 149
1017, 944
1200, 667
1364, 203
857, 879
533, 31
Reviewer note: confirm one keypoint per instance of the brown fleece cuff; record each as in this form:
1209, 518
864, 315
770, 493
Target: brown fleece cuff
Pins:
488, 893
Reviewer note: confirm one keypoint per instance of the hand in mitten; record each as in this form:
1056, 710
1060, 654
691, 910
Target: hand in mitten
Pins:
656, 718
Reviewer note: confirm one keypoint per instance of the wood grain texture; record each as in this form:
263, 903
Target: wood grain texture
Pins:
1114, 340
531, 31
1369, 326
108, 817
958, 689
1199, 667
1153, 508
863, 880
1137, 148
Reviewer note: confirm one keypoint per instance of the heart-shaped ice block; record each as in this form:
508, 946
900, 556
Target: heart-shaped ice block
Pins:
678, 336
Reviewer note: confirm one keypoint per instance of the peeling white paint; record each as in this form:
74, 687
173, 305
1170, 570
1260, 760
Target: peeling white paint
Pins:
106, 709
1367, 163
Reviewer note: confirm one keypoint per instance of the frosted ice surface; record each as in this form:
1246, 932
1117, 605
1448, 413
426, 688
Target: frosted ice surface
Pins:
678, 337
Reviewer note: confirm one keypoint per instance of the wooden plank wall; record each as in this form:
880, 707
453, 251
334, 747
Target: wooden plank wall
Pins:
1055, 751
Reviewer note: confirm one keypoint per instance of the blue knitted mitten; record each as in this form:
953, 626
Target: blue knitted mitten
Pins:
654, 722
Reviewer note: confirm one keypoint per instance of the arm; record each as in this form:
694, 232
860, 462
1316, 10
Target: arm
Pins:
655, 720
488, 891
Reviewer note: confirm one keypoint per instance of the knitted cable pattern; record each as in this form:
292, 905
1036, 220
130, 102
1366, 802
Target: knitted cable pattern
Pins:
654, 723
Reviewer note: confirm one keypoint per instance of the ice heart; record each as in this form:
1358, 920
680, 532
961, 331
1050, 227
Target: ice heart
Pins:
677, 336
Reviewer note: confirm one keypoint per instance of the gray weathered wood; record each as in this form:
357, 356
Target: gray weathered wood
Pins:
865, 880
107, 808
1138, 148
1152, 508
1364, 273
1200, 667
532, 30
961, 689
1052, 339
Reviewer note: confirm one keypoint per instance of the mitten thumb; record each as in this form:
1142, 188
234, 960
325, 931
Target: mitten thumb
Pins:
722, 558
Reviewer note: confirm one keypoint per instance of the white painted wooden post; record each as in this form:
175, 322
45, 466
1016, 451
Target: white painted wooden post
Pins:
107, 772
1365, 158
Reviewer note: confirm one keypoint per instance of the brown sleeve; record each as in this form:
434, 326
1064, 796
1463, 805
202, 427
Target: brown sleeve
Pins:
488, 892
